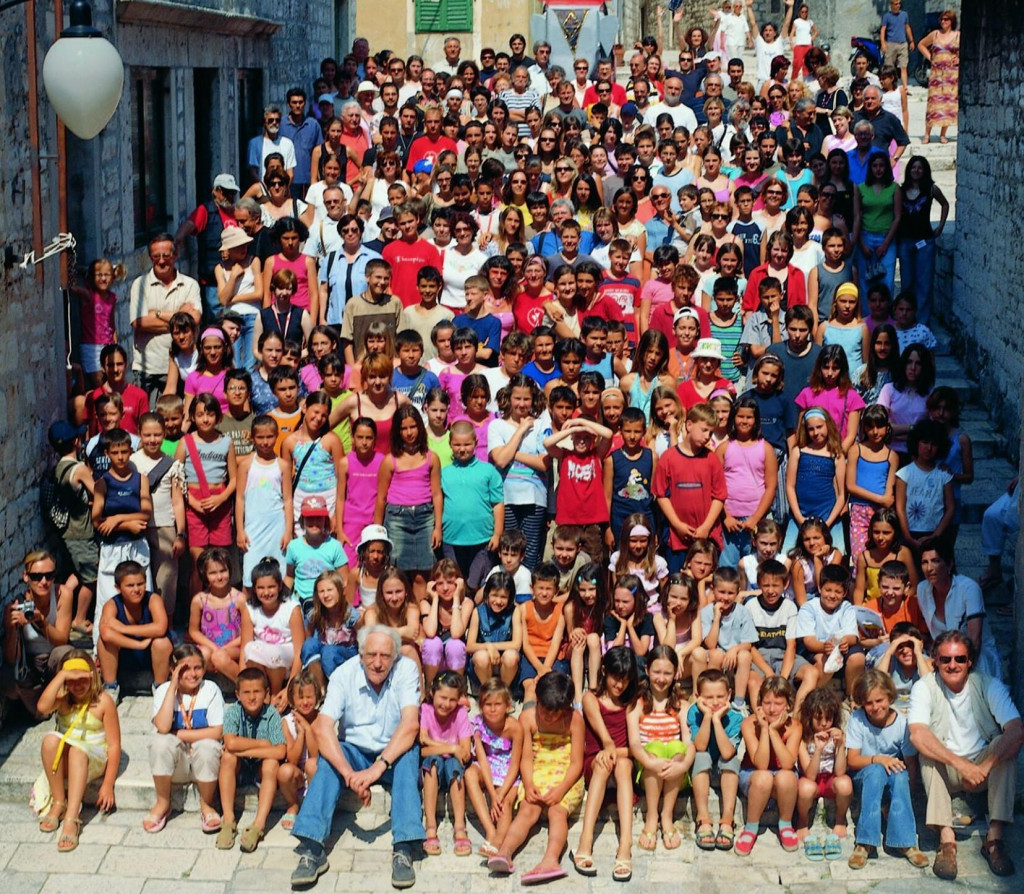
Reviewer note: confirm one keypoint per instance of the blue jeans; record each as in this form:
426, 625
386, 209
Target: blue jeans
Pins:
901, 830
736, 545
211, 304
243, 344
874, 270
330, 657
314, 820
917, 270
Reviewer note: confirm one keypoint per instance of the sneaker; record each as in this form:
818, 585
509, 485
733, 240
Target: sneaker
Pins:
402, 873
113, 690
310, 868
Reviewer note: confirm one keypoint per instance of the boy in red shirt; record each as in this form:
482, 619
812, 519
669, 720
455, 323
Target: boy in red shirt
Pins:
689, 483
409, 254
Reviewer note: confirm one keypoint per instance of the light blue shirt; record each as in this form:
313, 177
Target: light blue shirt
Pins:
367, 718
735, 628
813, 620
342, 287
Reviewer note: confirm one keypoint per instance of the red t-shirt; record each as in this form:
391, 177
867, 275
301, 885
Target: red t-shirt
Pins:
200, 217
618, 95
690, 483
689, 397
625, 293
529, 312
425, 148
605, 307
661, 319
358, 143
794, 289
579, 499
406, 260
136, 402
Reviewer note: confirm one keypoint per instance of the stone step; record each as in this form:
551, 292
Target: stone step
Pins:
941, 157
991, 476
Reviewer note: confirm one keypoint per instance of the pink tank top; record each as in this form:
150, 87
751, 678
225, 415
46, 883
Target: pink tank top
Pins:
361, 490
383, 443
298, 267
744, 477
411, 487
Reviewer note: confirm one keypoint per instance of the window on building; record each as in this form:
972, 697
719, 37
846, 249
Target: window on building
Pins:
150, 107
249, 104
444, 15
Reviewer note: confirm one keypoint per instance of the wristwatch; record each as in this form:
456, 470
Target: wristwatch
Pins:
387, 764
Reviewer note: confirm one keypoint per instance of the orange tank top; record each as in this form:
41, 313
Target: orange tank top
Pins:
539, 631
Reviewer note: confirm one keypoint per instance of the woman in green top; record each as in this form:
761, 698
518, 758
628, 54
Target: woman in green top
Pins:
877, 209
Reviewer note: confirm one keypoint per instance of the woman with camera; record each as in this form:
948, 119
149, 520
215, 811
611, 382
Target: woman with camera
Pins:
37, 625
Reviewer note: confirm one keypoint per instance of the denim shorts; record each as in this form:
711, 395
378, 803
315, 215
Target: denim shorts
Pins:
449, 769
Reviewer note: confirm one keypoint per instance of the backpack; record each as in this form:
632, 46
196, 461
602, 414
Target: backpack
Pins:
53, 498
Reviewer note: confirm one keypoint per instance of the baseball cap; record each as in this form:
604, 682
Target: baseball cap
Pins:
62, 430
386, 213
685, 312
225, 181
423, 166
325, 97
315, 507
629, 108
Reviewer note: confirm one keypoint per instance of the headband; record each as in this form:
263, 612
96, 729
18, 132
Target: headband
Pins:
848, 288
76, 664
639, 531
814, 413
212, 332
720, 392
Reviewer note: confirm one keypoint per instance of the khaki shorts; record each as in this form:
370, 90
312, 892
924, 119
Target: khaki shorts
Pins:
897, 54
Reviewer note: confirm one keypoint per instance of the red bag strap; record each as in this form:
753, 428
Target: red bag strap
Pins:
197, 464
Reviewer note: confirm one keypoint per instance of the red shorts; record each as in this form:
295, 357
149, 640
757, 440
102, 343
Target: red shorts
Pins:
825, 781
211, 529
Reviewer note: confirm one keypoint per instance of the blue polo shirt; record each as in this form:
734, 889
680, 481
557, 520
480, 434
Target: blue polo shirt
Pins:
306, 136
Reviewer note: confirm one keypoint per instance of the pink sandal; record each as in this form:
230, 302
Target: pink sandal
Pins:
745, 842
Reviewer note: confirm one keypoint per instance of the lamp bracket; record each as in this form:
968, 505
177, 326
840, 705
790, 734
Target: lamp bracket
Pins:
60, 242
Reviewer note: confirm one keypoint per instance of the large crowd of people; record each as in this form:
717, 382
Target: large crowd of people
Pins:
526, 434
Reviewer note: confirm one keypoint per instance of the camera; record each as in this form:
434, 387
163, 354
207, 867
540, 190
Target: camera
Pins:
27, 608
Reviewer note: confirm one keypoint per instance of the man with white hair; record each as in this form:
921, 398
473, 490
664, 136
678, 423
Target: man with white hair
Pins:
672, 104
270, 141
374, 699
887, 126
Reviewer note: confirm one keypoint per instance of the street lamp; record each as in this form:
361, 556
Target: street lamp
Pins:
83, 75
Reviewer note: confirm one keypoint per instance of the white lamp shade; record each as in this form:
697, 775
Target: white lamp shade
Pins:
83, 77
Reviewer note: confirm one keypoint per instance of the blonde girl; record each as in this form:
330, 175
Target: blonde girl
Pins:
492, 779
305, 693
331, 629
660, 744
701, 563
845, 326
97, 301
86, 745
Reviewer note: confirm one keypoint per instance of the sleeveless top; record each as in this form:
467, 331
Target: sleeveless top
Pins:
288, 324
849, 340
32, 641
367, 595
123, 498
496, 747
318, 472
411, 487
494, 628
877, 208
220, 625
916, 222
383, 442
361, 488
744, 477
815, 493
298, 267
245, 283
639, 398
871, 475
214, 458
828, 282
540, 632
659, 726
275, 629
615, 722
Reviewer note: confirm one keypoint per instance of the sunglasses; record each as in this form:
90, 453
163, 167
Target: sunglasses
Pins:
275, 183
350, 230
161, 256
272, 120
720, 216
660, 196
563, 170
522, 155
37, 576
950, 659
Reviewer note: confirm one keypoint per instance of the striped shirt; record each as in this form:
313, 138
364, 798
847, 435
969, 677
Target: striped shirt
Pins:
521, 102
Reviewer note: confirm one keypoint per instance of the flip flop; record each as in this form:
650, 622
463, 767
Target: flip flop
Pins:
544, 875
500, 865
584, 864
210, 823
671, 839
648, 841
288, 821
154, 824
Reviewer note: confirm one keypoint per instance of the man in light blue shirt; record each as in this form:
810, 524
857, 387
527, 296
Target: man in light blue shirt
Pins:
305, 134
374, 699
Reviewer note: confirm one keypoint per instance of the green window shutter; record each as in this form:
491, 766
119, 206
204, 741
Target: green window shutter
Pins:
444, 15
430, 15
458, 15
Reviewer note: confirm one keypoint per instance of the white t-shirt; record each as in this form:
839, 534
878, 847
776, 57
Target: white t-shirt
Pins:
813, 620
163, 511
206, 706
735, 30
524, 587
924, 495
261, 146
315, 197
965, 737
765, 52
802, 32
682, 116
323, 239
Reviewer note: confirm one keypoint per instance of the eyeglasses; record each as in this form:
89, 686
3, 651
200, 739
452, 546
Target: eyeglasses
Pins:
948, 659
161, 255
37, 576
773, 192
460, 230
720, 216
330, 202
236, 389
580, 67
350, 230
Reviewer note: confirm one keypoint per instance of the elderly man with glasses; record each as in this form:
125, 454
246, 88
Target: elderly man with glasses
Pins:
968, 734
269, 141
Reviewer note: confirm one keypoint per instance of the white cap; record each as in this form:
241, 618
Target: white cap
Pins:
225, 181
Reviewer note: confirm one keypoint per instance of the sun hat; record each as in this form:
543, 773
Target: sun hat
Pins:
710, 348
234, 237
371, 533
